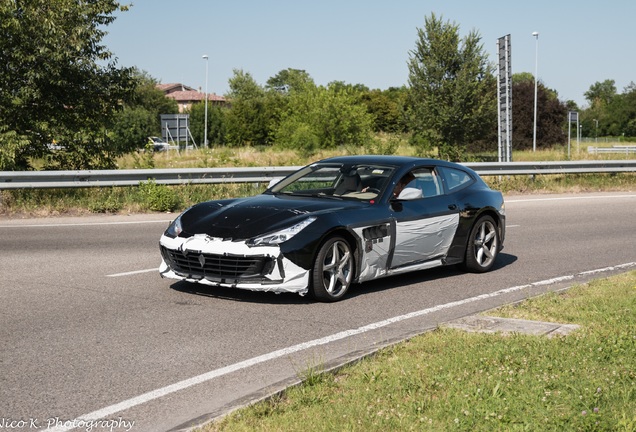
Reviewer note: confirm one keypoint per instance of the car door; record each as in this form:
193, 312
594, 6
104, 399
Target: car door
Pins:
425, 223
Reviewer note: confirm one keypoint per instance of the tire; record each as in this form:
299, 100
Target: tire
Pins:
333, 270
483, 246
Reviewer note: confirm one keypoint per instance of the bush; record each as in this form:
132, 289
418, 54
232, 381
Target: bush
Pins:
387, 144
12, 147
105, 202
156, 197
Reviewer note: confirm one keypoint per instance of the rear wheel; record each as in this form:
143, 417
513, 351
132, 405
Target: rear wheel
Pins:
333, 270
483, 245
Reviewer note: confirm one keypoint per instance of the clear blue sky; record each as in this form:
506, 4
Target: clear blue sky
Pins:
368, 41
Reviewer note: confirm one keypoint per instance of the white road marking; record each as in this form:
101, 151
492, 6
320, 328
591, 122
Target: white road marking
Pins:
133, 272
582, 197
84, 224
208, 376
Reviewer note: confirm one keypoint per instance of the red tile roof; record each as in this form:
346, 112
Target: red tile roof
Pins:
194, 96
184, 94
172, 87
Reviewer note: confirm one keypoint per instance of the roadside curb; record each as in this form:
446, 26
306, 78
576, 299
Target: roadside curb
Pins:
507, 326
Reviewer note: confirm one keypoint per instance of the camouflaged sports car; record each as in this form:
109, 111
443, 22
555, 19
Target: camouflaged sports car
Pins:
336, 222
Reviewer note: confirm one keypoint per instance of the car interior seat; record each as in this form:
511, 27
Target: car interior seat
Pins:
349, 183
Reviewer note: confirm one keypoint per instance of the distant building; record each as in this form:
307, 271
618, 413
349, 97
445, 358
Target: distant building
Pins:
186, 96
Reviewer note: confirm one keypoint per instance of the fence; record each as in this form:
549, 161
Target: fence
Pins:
616, 149
108, 178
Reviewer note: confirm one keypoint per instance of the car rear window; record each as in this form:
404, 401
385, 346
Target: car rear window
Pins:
456, 179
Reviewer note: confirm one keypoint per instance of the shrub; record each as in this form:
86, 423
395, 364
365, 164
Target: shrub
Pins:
157, 197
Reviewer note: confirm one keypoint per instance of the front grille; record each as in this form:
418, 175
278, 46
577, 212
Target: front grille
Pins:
217, 266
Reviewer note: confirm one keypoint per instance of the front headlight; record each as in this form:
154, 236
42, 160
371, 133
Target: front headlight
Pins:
281, 236
502, 209
175, 227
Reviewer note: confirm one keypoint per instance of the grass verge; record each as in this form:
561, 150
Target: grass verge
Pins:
448, 380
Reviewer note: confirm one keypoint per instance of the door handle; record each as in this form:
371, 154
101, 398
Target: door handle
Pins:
452, 206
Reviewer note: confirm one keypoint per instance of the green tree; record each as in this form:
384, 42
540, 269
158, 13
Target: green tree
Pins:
387, 108
318, 117
131, 128
613, 114
621, 113
148, 96
601, 92
452, 89
253, 113
12, 147
216, 123
629, 96
359, 89
289, 79
58, 82
140, 116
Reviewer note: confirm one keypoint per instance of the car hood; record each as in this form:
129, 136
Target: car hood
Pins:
249, 217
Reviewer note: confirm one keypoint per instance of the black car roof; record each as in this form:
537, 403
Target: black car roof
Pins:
402, 162
388, 160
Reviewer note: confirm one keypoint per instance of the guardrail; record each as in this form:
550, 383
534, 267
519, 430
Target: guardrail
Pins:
624, 149
108, 178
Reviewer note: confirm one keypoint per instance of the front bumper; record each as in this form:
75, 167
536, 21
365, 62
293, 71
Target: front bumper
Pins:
217, 262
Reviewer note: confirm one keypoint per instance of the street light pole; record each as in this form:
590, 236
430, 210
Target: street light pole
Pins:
536, 71
205, 127
596, 131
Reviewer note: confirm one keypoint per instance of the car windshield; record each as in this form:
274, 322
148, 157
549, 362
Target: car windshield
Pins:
361, 182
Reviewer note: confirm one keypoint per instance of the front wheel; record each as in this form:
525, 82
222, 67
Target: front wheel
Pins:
333, 270
483, 245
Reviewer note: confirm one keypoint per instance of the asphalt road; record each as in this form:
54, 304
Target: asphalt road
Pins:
88, 329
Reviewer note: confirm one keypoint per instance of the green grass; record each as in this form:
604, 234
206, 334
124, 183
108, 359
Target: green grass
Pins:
42, 202
448, 380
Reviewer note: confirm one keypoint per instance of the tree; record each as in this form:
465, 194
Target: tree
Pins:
216, 123
629, 98
387, 108
613, 115
252, 116
57, 80
289, 79
141, 115
359, 89
452, 89
551, 114
132, 127
622, 113
601, 92
319, 117
148, 96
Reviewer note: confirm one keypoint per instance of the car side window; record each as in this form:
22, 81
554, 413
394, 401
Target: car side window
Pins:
427, 180
420, 183
456, 179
